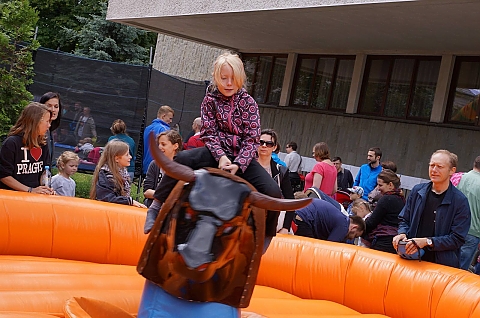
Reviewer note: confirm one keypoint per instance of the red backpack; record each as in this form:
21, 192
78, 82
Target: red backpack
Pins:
94, 155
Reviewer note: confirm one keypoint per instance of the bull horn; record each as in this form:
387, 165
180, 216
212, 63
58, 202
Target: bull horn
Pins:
268, 203
172, 169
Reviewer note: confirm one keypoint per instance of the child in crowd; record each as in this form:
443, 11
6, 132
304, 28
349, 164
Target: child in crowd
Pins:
62, 183
111, 182
361, 208
231, 133
85, 146
355, 193
170, 142
24, 153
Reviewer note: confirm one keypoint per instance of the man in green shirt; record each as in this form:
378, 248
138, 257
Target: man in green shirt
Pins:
470, 186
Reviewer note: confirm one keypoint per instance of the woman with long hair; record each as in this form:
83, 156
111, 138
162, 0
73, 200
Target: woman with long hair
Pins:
24, 153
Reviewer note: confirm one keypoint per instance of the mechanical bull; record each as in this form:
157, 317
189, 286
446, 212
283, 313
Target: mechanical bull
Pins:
208, 238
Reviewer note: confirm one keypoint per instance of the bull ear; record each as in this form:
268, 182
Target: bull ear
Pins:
171, 168
268, 203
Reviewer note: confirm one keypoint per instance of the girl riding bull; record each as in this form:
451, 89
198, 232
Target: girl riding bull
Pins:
231, 133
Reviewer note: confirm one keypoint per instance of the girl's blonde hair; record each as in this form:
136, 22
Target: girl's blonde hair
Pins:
113, 148
235, 62
64, 158
27, 124
174, 137
361, 206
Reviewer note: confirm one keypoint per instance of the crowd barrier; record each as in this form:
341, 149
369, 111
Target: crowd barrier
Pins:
407, 182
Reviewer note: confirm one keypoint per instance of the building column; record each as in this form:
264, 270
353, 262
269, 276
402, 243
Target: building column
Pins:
356, 85
443, 88
288, 79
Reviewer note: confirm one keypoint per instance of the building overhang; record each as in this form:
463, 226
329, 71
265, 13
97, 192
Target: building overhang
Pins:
374, 27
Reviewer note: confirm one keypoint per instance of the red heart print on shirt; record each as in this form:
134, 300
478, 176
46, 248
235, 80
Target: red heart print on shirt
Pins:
36, 153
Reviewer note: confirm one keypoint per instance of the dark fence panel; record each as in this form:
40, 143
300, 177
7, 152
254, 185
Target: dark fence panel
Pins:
182, 95
115, 90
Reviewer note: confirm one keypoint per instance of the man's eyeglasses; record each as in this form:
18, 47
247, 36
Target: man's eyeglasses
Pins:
269, 144
287, 146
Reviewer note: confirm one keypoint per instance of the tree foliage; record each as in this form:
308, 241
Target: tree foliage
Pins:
17, 22
80, 27
110, 41
55, 15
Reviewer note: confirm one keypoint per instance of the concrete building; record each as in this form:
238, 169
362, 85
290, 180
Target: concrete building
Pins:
400, 75
184, 58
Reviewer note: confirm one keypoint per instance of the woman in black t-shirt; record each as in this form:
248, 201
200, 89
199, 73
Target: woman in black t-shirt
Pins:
24, 153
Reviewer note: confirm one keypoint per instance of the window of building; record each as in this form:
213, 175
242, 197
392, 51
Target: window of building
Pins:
322, 82
399, 86
265, 75
463, 102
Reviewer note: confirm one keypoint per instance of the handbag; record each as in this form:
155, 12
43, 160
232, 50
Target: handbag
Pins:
401, 251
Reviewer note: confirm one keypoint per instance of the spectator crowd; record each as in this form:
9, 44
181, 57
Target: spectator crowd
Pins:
438, 221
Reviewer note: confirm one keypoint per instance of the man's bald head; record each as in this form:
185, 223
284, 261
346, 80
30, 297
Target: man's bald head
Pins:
197, 124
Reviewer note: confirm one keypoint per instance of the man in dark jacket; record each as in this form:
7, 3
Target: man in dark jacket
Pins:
436, 216
321, 220
344, 176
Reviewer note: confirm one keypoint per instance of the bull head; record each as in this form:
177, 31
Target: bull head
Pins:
186, 174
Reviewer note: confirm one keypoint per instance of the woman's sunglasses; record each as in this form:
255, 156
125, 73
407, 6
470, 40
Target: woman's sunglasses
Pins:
269, 144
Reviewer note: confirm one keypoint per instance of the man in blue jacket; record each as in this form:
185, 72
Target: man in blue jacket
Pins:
160, 124
367, 175
436, 216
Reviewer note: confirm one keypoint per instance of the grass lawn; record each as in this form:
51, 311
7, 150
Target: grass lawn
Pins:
84, 183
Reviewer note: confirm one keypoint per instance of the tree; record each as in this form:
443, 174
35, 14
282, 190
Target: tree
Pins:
55, 15
110, 41
17, 21
61, 20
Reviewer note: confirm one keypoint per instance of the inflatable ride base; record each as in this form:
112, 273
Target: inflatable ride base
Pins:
71, 257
